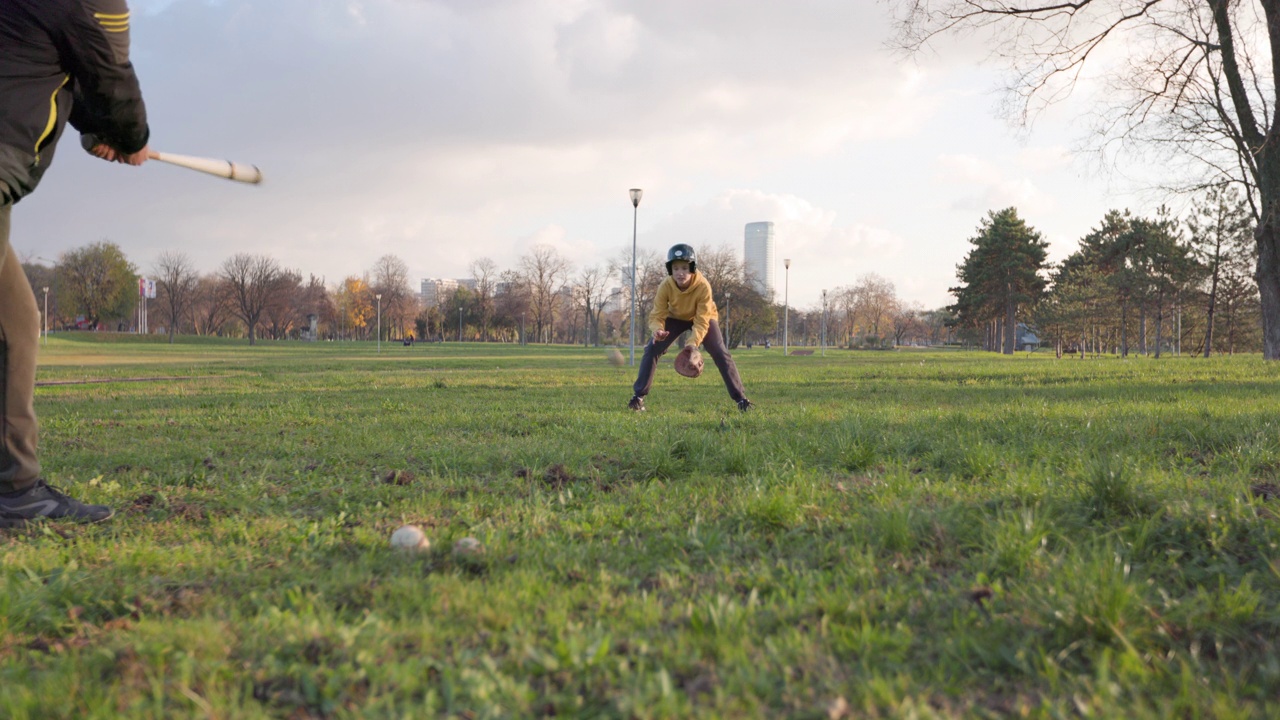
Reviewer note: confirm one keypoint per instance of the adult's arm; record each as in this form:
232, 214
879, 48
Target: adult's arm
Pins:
93, 44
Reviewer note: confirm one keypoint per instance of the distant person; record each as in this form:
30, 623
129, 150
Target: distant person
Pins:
683, 303
60, 61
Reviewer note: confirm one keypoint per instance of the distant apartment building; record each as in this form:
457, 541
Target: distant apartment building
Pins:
436, 290
758, 254
615, 301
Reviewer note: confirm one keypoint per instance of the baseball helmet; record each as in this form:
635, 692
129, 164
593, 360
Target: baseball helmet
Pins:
682, 252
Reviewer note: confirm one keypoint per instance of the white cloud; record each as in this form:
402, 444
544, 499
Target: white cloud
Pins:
987, 185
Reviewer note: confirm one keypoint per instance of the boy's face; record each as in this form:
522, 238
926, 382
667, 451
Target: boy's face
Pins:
680, 271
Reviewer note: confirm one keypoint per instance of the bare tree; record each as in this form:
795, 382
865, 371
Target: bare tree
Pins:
908, 322
650, 272
511, 301
544, 271
399, 306
722, 267
589, 294
42, 280
876, 301
252, 282
1217, 228
843, 301
176, 279
485, 273
1197, 89
210, 306
312, 299
280, 314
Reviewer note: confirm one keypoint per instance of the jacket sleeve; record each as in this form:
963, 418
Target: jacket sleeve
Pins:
658, 315
703, 314
93, 43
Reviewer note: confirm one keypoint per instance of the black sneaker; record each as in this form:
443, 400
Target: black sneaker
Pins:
42, 500
637, 403
744, 405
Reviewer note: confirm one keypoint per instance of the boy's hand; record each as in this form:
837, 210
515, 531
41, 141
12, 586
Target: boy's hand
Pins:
660, 335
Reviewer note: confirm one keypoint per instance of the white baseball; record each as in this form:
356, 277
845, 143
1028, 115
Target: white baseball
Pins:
410, 538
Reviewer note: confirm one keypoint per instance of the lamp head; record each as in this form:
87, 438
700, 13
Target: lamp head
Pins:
636, 194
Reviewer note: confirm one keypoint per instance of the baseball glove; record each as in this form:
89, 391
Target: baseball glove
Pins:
689, 362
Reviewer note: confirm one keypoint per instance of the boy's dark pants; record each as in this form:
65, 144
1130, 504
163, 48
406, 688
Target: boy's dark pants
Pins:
715, 348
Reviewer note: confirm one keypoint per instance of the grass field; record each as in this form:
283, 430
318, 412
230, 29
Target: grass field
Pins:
904, 534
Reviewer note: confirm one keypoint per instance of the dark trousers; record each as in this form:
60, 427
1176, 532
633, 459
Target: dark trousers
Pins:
715, 348
19, 343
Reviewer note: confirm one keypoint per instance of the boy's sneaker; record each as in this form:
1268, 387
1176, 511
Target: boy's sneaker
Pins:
744, 405
42, 500
637, 403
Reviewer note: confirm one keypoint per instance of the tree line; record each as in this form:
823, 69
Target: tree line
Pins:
543, 299
1147, 285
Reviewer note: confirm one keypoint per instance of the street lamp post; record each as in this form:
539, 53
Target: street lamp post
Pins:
459, 323
786, 303
46, 314
824, 323
636, 194
378, 297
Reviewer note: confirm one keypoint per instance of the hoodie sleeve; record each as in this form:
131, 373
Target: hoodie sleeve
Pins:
94, 46
661, 303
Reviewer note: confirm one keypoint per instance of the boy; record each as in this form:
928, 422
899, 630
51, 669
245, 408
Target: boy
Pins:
683, 303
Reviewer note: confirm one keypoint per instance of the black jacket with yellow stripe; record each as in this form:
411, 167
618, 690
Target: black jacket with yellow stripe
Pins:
60, 61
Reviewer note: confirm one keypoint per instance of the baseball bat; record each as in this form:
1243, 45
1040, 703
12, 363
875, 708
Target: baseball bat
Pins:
239, 172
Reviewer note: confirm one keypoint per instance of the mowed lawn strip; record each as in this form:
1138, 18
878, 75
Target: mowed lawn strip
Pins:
913, 533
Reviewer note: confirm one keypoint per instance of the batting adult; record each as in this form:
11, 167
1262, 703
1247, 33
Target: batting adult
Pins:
60, 61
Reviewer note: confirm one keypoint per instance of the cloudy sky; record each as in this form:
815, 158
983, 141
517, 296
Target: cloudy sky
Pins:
442, 131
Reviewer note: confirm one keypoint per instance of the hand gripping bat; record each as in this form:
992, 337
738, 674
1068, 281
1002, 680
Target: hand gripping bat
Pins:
240, 172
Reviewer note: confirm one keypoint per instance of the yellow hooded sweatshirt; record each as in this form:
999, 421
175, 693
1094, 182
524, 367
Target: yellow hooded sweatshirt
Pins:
694, 303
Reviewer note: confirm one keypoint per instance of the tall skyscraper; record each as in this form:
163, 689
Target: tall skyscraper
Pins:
757, 251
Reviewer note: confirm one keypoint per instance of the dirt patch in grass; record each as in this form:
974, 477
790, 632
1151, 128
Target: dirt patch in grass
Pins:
555, 477
142, 503
178, 509
399, 477
1265, 491
654, 583
699, 680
